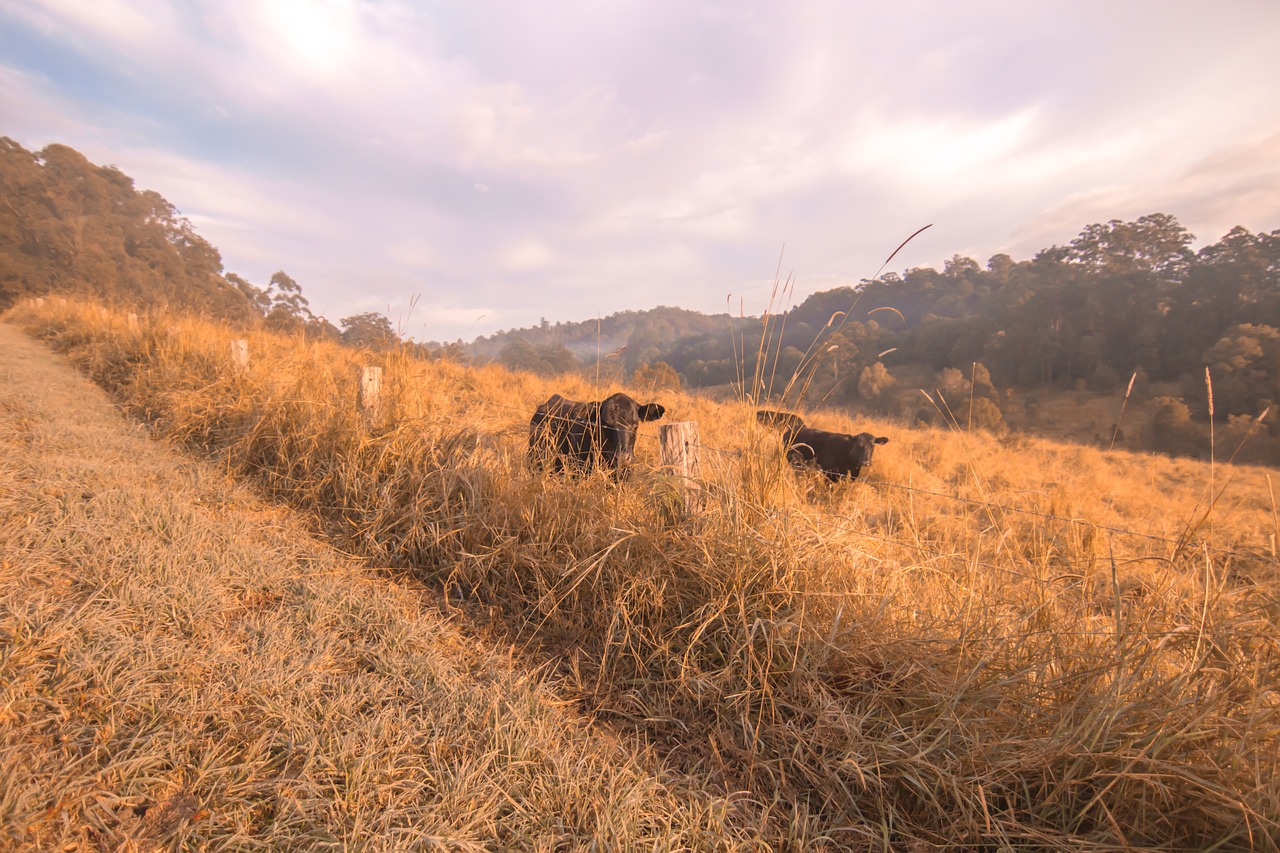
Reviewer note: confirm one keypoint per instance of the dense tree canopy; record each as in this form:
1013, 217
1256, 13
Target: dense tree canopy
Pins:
1123, 296
545, 359
68, 226
370, 330
1122, 300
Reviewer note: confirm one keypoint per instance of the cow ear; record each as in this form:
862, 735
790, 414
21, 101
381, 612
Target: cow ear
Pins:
651, 411
882, 440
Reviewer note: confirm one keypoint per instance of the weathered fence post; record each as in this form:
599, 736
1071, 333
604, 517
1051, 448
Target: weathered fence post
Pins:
370, 391
681, 455
240, 354
132, 320
39, 301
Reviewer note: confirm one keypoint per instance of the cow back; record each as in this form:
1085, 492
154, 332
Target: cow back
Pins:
581, 435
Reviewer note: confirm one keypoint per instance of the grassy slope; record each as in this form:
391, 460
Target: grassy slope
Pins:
181, 663
873, 664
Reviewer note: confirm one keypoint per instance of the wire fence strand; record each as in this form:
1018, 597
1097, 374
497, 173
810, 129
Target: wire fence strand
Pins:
738, 453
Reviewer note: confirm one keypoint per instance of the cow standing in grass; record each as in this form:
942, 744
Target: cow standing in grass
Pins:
835, 454
568, 435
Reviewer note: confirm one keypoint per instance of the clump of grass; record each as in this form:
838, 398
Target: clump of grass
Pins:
874, 664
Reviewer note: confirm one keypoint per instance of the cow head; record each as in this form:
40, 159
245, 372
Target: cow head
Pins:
618, 417
835, 454
865, 444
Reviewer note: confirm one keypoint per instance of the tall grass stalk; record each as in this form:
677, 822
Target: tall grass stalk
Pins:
1194, 523
1208, 385
1127, 391
807, 369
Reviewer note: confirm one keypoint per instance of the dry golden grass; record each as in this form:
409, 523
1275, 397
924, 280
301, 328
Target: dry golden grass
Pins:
935, 655
182, 666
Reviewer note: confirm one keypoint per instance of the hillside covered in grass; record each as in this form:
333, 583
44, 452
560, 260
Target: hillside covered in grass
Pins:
984, 642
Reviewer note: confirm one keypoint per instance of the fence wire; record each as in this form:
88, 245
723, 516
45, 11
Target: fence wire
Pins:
737, 453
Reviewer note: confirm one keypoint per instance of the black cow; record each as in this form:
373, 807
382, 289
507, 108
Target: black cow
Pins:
835, 454
568, 434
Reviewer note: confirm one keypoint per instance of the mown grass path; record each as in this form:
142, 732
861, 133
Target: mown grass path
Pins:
183, 666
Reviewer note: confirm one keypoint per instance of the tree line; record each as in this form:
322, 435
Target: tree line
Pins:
70, 227
1123, 304
1121, 297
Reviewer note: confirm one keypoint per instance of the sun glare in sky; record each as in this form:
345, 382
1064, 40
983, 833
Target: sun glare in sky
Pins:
318, 36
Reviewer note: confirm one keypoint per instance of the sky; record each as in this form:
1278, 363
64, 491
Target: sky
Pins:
464, 167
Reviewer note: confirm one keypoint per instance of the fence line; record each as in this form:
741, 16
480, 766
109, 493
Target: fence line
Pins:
239, 350
1053, 632
886, 484
959, 556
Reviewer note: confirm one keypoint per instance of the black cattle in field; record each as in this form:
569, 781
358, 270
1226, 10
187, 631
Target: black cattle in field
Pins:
568, 434
835, 454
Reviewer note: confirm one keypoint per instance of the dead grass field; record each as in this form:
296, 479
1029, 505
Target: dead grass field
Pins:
966, 649
183, 666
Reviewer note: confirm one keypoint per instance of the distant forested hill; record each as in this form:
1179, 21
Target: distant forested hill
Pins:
646, 335
1121, 297
1124, 303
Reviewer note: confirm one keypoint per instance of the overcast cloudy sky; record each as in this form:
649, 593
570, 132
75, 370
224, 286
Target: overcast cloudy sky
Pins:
505, 161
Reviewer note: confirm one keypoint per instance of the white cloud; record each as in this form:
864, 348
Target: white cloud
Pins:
117, 22
526, 255
1237, 184
442, 322
35, 111
932, 154
567, 160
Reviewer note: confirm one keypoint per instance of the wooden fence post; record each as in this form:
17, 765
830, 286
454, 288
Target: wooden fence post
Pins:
240, 353
39, 301
370, 390
681, 454
132, 320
